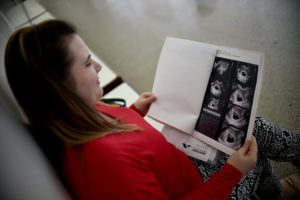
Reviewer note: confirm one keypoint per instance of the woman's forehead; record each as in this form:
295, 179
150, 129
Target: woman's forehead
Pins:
78, 48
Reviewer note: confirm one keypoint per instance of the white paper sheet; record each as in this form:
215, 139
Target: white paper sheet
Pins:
176, 97
187, 144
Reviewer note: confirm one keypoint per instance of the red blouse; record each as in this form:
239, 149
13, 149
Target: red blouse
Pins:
139, 165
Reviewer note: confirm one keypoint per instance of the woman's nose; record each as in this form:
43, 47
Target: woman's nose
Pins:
98, 67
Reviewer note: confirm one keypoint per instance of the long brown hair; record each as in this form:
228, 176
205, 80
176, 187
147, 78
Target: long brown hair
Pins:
37, 61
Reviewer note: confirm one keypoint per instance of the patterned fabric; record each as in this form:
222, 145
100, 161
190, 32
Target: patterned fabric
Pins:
274, 143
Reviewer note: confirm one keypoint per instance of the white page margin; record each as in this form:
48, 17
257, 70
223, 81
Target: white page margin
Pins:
179, 100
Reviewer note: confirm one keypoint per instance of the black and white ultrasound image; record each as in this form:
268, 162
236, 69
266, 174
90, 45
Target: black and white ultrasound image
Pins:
214, 103
231, 136
241, 95
228, 101
237, 116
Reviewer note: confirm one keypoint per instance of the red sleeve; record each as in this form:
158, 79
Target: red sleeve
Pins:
219, 186
119, 176
136, 110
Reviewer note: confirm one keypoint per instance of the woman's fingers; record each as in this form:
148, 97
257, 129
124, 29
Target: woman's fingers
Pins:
245, 158
253, 146
144, 101
150, 99
245, 148
147, 94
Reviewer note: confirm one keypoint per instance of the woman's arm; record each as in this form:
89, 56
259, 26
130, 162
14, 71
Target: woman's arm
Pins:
121, 175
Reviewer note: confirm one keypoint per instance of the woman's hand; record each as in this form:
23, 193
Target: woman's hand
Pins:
144, 102
245, 158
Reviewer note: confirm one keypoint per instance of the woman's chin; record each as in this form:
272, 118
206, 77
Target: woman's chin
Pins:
100, 93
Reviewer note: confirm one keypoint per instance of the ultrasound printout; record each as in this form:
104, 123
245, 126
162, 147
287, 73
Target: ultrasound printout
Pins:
226, 110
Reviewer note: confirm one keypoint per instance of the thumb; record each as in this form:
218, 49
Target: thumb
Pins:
253, 146
147, 94
244, 149
150, 99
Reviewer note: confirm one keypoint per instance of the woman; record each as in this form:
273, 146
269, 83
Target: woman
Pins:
103, 152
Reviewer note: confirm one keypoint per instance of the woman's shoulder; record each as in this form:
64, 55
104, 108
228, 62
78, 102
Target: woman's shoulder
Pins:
116, 144
104, 147
101, 149
117, 112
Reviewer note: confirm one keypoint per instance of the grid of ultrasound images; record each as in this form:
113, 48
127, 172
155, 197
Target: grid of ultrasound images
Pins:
228, 101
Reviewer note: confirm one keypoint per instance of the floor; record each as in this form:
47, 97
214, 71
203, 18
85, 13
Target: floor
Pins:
128, 37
